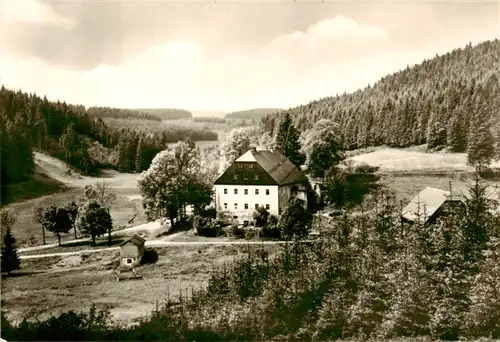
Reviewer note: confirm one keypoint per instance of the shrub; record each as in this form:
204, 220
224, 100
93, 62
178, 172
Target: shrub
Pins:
261, 215
238, 231
150, 256
273, 220
209, 212
364, 167
270, 232
205, 226
490, 173
295, 222
183, 225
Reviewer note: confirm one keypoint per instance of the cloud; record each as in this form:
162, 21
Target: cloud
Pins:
32, 12
125, 60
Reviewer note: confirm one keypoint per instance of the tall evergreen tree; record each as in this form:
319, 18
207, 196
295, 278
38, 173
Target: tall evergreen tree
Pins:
139, 156
287, 141
10, 259
456, 137
480, 148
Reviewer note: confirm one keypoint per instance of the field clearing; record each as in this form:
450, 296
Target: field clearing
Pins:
74, 282
28, 233
392, 159
127, 205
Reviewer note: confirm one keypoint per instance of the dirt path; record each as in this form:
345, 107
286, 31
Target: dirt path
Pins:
159, 243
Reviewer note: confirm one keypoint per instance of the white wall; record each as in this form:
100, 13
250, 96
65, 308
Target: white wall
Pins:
246, 214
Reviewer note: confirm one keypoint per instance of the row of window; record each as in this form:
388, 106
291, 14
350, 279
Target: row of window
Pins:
246, 178
246, 191
246, 206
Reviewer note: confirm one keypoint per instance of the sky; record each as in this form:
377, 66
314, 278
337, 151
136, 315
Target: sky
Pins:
224, 55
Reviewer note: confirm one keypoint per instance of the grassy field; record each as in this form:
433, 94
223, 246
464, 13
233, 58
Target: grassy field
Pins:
39, 185
58, 284
28, 233
415, 159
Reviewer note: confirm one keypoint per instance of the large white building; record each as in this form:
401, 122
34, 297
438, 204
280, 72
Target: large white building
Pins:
258, 178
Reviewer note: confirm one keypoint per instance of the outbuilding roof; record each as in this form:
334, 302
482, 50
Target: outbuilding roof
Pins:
136, 240
425, 204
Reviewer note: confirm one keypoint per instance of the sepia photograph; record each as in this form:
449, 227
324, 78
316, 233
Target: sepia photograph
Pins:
250, 170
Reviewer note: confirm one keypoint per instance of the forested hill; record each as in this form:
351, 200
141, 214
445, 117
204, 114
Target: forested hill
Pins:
106, 112
255, 113
167, 113
77, 136
443, 101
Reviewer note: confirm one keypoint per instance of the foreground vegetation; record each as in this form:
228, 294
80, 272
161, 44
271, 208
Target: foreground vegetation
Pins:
374, 276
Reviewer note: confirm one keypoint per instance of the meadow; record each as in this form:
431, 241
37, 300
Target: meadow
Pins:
53, 285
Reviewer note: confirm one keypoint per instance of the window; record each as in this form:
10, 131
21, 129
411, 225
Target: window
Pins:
235, 176
267, 191
225, 191
225, 205
235, 191
246, 205
256, 191
256, 177
246, 191
129, 261
256, 206
245, 178
251, 166
236, 206
315, 187
267, 206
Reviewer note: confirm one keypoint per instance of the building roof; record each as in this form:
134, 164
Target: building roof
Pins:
136, 240
425, 204
281, 170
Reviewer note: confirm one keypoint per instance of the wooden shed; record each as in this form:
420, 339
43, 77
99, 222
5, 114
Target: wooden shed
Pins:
131, 251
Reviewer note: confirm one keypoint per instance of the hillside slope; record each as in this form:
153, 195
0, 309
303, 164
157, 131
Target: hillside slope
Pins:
441, 102
167, 113
256, 113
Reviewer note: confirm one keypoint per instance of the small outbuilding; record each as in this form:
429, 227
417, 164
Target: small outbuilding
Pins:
132, 251
429, 204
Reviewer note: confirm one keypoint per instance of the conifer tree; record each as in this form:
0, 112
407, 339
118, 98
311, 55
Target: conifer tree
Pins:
10, 259
456, 135
139, 157
480, 148
287, 141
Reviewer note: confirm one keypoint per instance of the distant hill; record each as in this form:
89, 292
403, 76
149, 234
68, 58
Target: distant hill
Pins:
444, 102
167, 113
255, 113
106, 112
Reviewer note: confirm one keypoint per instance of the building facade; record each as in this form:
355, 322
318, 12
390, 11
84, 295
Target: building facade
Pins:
258, 178
132, 251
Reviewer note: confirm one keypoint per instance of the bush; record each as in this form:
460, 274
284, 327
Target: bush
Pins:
295, 221
205, 226
210, 212
183, 225
237, 231
490, 173
273, 220
364, 167
270, 232
261, 215
150, 256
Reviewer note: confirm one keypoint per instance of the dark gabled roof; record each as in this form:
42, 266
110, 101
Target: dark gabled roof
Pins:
276, 165
426, 204
136, 240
